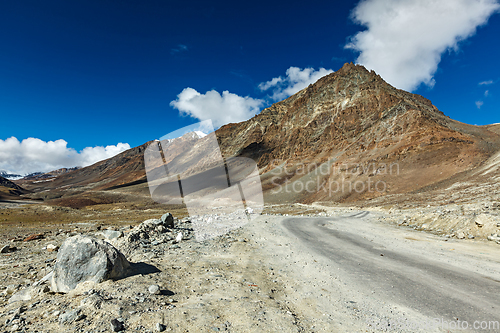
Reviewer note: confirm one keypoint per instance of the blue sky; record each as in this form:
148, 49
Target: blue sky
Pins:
79, 77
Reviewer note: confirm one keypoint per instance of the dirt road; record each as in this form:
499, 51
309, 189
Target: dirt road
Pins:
447, 283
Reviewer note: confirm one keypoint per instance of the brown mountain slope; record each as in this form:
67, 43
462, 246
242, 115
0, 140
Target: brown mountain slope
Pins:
360, 130
348, 137
493, 128
78, 187
10, 190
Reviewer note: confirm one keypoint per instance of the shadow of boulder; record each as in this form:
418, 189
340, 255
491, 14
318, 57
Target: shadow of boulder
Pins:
142, 268
165, 292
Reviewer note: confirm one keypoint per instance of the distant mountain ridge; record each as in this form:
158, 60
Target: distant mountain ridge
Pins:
10, 190
9, 175
351, 121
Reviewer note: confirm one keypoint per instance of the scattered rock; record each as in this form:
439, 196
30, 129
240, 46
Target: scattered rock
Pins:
117, 325
52, 248
22, 295
111, 234
484, 219
71, 316
33, 237
84, 258
168, 220
10, 289
460, 235
5, 249
494, 237
179, 237
154, 289
93, 302
160, 327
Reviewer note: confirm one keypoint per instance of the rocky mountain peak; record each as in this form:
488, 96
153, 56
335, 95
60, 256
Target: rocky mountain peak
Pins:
350, 118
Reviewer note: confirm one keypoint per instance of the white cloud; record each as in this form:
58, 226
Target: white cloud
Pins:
479, 104
232, 108
486, 93
295, 80
221, 109
486, 83
179, 48
33, 155
404, 39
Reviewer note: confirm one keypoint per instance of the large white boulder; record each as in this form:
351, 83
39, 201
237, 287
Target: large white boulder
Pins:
84, 258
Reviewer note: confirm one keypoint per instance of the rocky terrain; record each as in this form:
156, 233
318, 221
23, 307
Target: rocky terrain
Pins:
175, 284
254, 278
421, 177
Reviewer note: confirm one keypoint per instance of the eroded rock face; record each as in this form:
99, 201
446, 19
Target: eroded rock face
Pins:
84, 258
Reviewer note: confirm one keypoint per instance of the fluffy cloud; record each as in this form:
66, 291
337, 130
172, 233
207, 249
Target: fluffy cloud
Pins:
232, 108
33, 155
295, 80
404, 39
479, 104
486, 83
221, 109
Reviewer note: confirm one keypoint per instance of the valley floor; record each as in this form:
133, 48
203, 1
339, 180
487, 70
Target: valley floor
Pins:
337, 270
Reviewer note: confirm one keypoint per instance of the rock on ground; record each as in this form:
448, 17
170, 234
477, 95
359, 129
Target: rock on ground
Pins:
84, 258
168, 220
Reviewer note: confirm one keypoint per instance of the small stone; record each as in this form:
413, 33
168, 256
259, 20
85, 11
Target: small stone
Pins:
10, 289
179, 237
460, 235
33, 237
111, 234
117, 325
22, 295
154, 289
52, 248
493, 237
71, 316
160, 327
168, 220
5, 249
